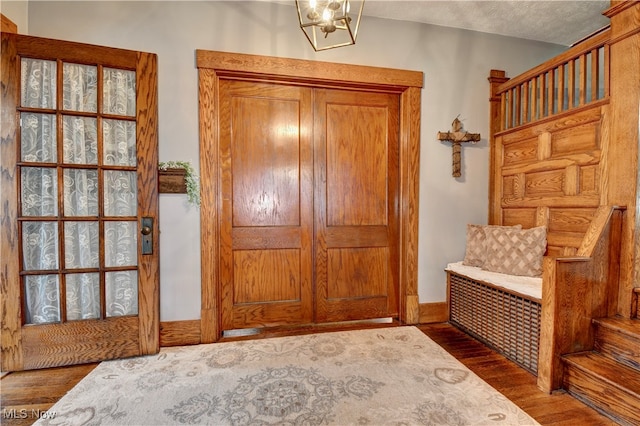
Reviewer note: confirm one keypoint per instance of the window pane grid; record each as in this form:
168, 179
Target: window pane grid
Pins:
76, 162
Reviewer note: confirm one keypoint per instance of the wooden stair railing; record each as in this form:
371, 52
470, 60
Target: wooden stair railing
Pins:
575, 290
576, 78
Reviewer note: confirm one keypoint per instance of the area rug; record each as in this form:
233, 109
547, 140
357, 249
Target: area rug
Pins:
384, 376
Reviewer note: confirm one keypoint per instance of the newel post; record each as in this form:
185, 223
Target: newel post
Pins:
496, 120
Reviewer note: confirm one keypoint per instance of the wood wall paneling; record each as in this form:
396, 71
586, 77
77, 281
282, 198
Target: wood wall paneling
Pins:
567, 165
622, 188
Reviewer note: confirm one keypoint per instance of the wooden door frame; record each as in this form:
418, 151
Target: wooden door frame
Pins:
214, 65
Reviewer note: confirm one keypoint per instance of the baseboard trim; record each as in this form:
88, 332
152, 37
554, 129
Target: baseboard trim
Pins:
187, 332
434, 312
180, 333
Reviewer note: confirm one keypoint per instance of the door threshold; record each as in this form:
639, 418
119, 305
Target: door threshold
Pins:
277, 331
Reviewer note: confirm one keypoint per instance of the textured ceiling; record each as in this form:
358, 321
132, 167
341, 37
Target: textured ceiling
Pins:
561, 22
553, 21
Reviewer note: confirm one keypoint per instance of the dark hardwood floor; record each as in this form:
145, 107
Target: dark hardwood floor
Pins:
26, 394
512, 381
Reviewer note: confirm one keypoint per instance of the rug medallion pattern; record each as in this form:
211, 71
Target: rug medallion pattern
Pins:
386, 376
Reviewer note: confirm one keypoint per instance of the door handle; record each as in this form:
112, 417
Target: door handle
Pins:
147, 235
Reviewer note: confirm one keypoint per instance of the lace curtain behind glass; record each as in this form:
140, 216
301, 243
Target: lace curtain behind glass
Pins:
80, 192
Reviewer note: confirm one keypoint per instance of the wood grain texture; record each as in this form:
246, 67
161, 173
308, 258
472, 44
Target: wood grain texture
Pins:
359, 200
543, 166
11, 320
172, 181
251, 68
410, 101
209, 205
36, 391
266, 276
548, 356
527, 150
74, 52
69, 342
497, 182
575, 291
597, 226
58, 344
266, 163
180, 333
514, 382
580, 116
266, 218
610, 387
496, 123
148, 205
437, 312
527, 217
619, 339
357, 272
572, 53
605, 164
623, 188
7, 25
357, 183
326, 73
543, 216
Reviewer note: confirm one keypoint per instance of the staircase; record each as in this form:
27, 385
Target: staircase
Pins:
608, 378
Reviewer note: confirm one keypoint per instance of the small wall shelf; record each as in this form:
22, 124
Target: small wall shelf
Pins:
172, 181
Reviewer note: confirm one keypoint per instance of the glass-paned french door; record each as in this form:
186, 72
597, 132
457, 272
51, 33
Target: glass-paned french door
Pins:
77, 196
83, 143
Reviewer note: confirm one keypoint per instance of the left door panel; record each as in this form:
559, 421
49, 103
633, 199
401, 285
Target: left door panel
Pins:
79, 159
266, 217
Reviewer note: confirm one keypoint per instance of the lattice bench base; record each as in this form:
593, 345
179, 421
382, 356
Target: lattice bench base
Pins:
507, 322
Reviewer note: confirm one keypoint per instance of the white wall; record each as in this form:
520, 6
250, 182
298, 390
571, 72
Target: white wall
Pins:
18, 12
455, 63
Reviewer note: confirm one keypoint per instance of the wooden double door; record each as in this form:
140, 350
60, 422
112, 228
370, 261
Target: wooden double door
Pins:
308, 209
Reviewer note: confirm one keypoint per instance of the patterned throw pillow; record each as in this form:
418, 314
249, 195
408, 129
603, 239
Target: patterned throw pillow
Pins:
475, 251
515, 252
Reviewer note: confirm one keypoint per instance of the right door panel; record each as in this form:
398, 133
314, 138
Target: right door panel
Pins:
356, 204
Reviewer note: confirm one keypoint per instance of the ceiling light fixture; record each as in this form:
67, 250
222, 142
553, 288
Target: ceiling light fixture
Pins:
330, 23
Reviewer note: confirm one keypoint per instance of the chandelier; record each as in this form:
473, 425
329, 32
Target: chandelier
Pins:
330, 23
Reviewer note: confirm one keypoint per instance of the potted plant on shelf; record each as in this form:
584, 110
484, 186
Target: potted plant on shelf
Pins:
179, 177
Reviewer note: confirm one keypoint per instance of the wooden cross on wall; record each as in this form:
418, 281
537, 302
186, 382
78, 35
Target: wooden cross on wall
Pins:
457, 136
